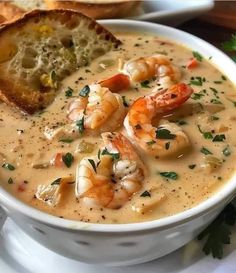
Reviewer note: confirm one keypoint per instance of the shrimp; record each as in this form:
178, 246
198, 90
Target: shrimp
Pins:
98, 108
168, 138
111, 178
159, 66
141, 69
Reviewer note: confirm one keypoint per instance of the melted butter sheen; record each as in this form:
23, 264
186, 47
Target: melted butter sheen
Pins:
23, 143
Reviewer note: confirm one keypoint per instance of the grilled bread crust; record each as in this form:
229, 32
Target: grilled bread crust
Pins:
109, 10
40, 49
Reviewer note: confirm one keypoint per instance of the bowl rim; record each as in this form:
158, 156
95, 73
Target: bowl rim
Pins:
220, 198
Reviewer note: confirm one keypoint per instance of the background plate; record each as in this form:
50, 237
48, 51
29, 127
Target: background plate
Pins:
173, 12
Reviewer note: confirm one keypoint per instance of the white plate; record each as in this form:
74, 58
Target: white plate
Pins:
21, 254
173, 12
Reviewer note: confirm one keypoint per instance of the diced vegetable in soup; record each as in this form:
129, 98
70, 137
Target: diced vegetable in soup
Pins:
144, 132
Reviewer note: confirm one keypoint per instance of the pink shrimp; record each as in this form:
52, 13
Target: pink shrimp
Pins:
111, 178
168, 138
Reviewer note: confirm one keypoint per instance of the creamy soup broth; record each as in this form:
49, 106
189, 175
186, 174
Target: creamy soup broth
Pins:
209, 112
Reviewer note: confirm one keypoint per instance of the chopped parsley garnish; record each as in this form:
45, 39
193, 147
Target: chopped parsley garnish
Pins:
226, 151
53, 78
115, 156
162, 133
146, 194
149, 143
205, 151
214, 118
10, 181
145, 84
198, 81
69, 92
223, 78
218, 138
125, 103
215, 91
215, 101
182, 122
192, 166
217, 234
68, 159
66, 140
218, 82
206, 135
198, 56
197, 96
167, 145
80, 125
93, 164
84, 92
231, 44
56, 182
170, 175
8, 166
99, 154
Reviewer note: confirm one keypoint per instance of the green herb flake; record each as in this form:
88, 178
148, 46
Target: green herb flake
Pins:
215, 101
84, 92
56, 182
125, 103
218, 138
8, 166
198, 56
212, 118
206, 135
182, 122
66, 140
192, 166
80, 125
167, 145
215, 91
205, 151
69, 92
115, 156
226, 151
91, 161
145, 194
149, 143
99, 154
162, 133
218, 82
68, 159
223, 78
198, 81
170, 175
217, 234
145, 84
231, 44
197, 96
10, 181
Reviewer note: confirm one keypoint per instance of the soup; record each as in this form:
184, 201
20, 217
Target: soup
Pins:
34, 153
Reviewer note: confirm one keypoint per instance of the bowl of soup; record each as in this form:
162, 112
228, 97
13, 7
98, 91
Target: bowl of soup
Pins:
155, 174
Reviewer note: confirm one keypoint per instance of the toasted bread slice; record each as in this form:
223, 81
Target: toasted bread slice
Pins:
41, 49
2, 19
10, 11
97, 9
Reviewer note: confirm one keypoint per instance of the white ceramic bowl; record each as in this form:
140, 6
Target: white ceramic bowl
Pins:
127, 244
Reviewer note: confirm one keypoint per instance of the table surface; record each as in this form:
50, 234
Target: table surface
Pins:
213, 34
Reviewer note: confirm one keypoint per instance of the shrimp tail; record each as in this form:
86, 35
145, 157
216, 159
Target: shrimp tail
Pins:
116, 83
173, 97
